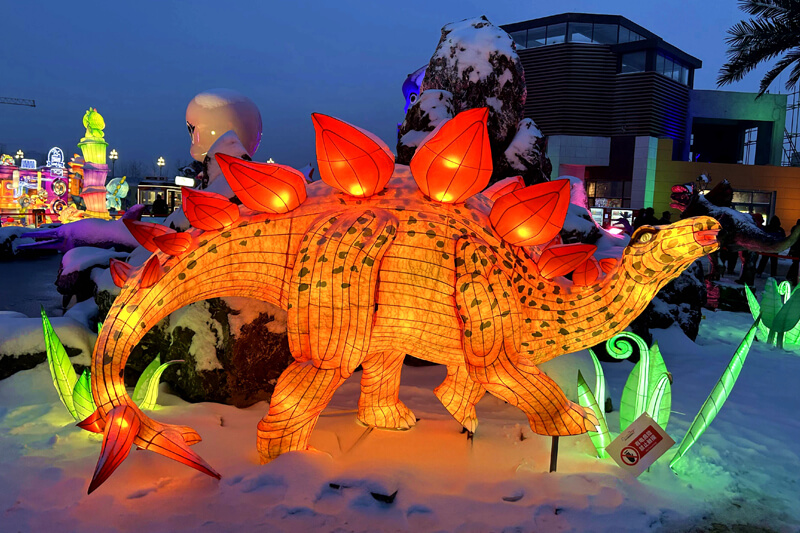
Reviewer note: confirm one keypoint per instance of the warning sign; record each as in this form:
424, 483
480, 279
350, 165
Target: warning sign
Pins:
640, 445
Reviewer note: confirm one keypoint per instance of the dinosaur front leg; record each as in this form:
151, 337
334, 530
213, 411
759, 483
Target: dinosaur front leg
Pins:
522, 384
301, 394
379, 405
459, 394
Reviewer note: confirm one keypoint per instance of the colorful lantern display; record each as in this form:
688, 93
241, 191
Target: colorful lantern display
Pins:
367, 279
351, 159
95, 169
454, 162
533, 215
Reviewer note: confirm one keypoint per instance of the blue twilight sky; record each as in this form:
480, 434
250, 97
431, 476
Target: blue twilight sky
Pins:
140, 62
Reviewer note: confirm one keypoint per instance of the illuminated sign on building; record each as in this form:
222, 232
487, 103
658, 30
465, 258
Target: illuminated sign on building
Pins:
28, 164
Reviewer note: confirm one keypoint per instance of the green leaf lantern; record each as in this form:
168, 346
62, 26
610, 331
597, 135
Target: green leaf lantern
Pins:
599, 380
587, 400
755, 309
717, 398
786, 319
61, 369
145, 394
771, 303
82, 396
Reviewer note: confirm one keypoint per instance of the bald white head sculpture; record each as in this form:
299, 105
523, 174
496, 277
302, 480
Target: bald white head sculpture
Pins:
213, 113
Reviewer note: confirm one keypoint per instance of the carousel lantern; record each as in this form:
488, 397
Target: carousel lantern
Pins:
350, 159
264, 187
454, 161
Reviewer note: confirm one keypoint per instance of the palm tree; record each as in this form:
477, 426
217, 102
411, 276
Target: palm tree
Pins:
773, 31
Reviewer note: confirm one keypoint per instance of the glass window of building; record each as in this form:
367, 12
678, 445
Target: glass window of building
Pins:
556, 33
754, 202
628, 36
605, 33
633, 62
520, 38
537, 37
580, 32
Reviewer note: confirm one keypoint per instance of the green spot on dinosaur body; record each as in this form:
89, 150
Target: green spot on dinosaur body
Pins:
351, 231
303, 271
431, 234
545, 307
242, 243
226, 234
302, 287
464, 287
257, 233
338, 270
544, 325
345, 285
202, 243
191, 265
368, 261
322, 284
213, 249
467, 333
411, 233
563, 331
537, 334
486, 324
182, 276
322, 259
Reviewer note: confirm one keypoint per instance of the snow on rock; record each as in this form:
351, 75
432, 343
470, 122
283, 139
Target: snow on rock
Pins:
247, 310
22, 341
85, 312
429, 111
94, 232
75, 273
740, 476
207, 334
477, 63
85, 257
10, 239
527, 154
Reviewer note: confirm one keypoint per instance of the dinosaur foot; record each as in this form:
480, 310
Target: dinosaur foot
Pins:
124, 426
394, 416
574, 420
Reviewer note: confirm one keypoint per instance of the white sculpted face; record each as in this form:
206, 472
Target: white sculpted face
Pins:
212, 113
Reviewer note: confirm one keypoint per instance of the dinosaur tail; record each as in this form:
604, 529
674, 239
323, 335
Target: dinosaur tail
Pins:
768, 244
117, 417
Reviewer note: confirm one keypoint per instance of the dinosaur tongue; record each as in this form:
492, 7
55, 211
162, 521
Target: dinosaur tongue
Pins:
706, 237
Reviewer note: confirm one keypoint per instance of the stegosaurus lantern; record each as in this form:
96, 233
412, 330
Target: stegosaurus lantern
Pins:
369, 277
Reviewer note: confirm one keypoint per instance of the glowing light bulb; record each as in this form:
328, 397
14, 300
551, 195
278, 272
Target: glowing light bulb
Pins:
444, 197
357, 190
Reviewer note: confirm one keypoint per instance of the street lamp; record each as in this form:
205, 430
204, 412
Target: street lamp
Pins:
160, 164
113, 156
270, 161
20, 155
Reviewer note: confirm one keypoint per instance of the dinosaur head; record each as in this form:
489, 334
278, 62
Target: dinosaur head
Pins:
656, 253
682, 196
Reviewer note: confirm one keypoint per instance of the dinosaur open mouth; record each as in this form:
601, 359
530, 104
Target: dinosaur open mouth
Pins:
706, 237
681, 197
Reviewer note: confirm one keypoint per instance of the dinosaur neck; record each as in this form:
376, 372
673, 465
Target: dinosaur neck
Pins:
562, 320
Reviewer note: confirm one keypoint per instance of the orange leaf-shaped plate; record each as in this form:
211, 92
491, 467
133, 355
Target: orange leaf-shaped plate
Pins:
208, 211
562, 259
264, 187
533, 215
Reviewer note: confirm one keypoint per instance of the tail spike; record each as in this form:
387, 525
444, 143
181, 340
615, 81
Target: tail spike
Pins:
533, 215
151, 272
609, 264
504, 186
454, 161
145, 232
171, 443
208, 211
350, 159
121, 429
586, 273
264, 187
94, 423
175, 243
561, 259
120, 271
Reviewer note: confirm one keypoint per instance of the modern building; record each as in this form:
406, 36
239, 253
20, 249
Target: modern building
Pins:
618, 105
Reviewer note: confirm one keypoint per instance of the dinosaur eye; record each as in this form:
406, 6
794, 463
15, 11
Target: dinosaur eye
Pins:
645, 236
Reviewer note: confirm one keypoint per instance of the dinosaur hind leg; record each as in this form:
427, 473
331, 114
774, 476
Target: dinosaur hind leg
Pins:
301, 394
459, 394
379, 405
523, 385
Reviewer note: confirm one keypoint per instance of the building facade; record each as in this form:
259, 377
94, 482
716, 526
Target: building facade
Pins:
612, 96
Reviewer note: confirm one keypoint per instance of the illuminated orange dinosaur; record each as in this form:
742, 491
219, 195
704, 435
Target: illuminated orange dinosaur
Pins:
373, 263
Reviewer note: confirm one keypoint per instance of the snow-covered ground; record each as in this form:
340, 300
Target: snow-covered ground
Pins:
744, 470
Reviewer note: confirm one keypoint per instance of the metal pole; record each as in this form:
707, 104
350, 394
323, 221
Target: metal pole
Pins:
554, 454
